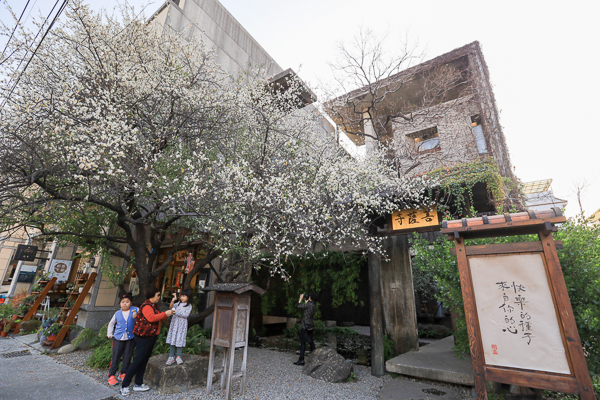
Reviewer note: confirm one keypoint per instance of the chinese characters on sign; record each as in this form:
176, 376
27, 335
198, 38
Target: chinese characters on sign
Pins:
517, 319
26, 253
515, 309
412, 218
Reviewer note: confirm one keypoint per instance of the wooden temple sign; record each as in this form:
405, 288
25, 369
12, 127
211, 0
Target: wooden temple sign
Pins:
519, 318
415, 220
230, 330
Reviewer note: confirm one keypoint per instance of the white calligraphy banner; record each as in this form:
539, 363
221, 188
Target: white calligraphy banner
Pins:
517, 318
60, 269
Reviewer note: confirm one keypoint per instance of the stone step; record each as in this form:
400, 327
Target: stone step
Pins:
436, 361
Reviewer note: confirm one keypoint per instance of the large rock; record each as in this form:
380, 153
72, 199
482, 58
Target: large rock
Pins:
327, 365
69, 348
30, 326
176, 378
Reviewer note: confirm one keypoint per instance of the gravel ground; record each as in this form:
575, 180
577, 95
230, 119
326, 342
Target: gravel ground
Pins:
269, 375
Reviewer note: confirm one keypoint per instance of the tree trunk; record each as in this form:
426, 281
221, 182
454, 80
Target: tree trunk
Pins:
211, 255
144, 272
194, 319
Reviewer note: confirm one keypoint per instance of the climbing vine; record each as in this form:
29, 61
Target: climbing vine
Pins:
457, 182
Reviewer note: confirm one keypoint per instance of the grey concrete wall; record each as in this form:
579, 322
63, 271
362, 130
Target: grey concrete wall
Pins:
235, 48
95, 318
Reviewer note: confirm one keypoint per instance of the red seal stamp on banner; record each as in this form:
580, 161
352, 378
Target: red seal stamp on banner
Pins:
494, 349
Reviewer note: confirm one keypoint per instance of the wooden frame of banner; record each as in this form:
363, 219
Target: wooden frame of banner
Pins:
579, 381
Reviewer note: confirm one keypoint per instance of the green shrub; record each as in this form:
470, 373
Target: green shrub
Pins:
101, 356
338, 272
388, 348
7, 310
197, 343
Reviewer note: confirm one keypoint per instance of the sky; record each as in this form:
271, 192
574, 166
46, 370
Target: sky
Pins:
542, 56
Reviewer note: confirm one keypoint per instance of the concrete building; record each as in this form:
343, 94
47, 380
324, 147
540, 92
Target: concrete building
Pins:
435, 114
16, 276
208, 20
539, 195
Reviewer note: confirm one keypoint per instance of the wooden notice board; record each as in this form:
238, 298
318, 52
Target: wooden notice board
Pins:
414, 220
519, 318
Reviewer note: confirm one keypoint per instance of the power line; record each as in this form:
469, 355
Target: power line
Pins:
34, 39
60, 10
16, 26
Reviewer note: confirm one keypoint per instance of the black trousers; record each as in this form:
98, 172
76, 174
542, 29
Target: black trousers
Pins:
120, 348
143, 351
306, 336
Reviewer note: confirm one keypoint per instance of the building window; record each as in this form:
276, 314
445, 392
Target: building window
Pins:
426, 141
479, 136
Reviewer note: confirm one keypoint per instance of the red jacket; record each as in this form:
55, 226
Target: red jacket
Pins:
148, 320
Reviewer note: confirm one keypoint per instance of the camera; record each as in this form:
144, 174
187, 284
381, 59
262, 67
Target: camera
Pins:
305, 295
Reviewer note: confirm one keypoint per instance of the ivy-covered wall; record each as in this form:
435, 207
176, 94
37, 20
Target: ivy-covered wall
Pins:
455, 195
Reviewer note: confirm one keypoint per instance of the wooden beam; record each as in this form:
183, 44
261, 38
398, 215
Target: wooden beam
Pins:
31, 313
475, 345
505, 248
565, 312
504, 228
376, 309
561, 383
73, 312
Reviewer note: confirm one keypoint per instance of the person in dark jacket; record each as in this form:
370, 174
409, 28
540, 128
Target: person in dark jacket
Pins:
307, 325
145, 333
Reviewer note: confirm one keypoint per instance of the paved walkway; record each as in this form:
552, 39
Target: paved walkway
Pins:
436, 362
27, 374
400, 389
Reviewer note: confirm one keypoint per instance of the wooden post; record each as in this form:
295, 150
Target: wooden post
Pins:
471, 317
398, 296
31, 313
377, 353
232, 338
580, 368
73, 312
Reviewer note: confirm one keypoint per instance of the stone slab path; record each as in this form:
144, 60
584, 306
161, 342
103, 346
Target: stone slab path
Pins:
399, 389
27, 374
435, 362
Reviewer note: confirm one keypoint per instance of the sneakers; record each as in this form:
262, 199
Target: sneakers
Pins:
121, 377
112, 381
125, 391
179, 361
170, 360
141, 388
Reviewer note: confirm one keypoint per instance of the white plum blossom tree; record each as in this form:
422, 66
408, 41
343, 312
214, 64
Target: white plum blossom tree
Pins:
122, 138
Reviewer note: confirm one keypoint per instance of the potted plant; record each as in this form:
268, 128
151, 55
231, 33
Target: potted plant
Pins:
7, 326
51, 331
